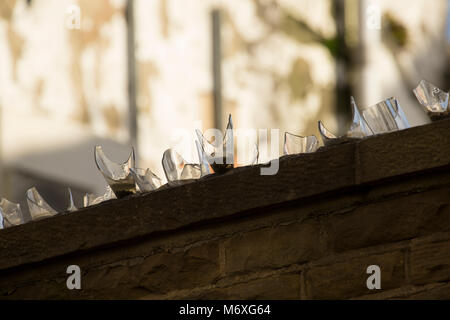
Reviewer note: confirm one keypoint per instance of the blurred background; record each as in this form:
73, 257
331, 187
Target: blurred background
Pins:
124, 73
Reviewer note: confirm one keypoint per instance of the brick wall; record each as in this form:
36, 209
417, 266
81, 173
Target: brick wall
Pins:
309, 232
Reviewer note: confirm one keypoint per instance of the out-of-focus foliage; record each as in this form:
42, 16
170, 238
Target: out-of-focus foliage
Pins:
394, 32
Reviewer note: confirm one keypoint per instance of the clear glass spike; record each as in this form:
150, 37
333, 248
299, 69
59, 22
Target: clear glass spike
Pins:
385, 116
255, 155
294, 144
39, 208
90, 199
146, 179
10, 214
325, 134
228, 142
205, 168
71, 207
219, 155
190, 171
176, 169
431, 97
359, 128
117, 175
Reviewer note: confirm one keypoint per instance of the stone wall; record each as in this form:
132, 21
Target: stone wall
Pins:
309, 232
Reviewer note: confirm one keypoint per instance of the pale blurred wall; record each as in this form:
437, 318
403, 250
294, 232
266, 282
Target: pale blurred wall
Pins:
62, 88
78, 76
271, 79
58, 82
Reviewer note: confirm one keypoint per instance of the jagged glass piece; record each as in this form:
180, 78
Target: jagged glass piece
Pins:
431, 97
10, 214
117, 175
220, 154
325, 134
294, 144
255, 155
385, 116
176, 169
205, 168
190, 171
39, 208
359, 128
90, 199
145, 179
228, 142
71, 207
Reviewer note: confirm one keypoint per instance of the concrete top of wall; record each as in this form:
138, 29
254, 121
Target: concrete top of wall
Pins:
242, 191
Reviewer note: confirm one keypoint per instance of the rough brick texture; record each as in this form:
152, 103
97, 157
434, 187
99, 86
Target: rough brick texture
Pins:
309, 232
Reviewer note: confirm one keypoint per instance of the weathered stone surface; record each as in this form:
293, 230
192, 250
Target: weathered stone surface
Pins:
347, 279
399, 218
439, 292
128, 278
428, 291
430, 262
273, 247
276, 287
403, 152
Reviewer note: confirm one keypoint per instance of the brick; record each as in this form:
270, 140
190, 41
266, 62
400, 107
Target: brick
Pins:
341, 280
273, 247
132, 278
430, 262
441, 292
280, 287
396, 219
407, 292
277, 287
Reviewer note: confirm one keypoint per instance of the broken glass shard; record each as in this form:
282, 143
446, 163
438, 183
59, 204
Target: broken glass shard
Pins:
190, 171
71, 207
359, 127
326, 135
39, 208
228, 143
146, 180
431, 97
205, 168
219, 154
176, 169
254, 156
90, 199
117, 175
385, 116
10, 214
294, 144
